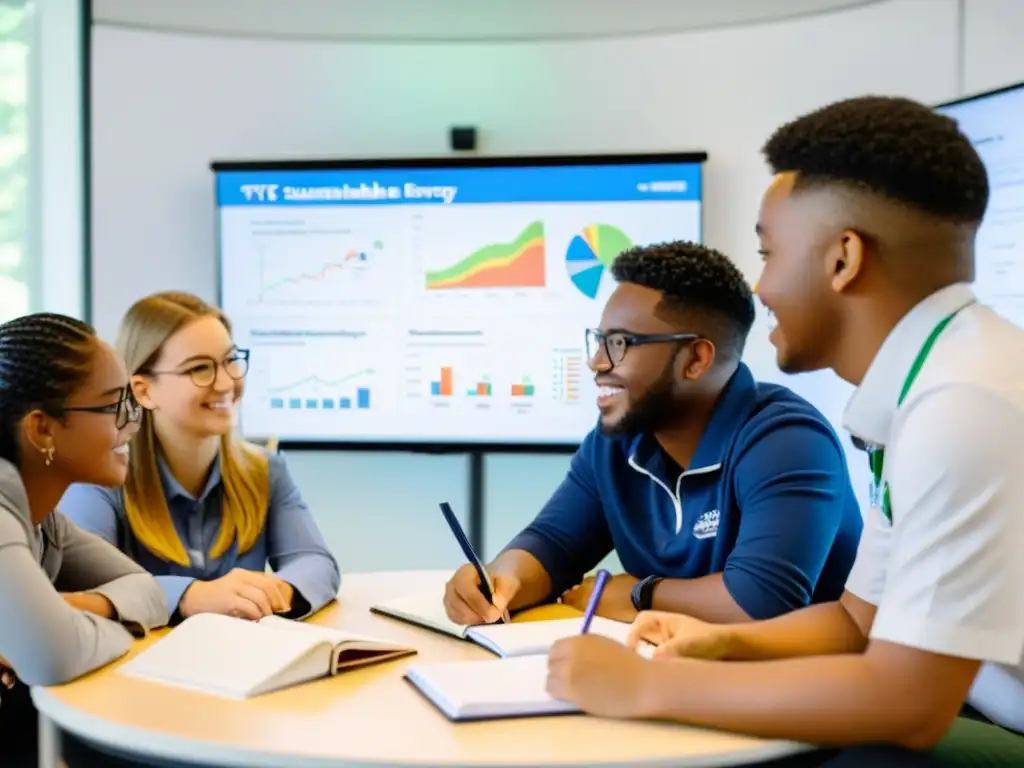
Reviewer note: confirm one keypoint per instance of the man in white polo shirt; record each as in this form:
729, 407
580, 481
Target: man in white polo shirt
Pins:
867, 236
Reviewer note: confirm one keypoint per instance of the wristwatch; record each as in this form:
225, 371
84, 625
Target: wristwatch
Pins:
643, 592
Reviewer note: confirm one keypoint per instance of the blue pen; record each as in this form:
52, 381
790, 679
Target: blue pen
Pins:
595, 598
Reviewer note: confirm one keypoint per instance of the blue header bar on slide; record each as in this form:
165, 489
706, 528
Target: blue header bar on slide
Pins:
440, 186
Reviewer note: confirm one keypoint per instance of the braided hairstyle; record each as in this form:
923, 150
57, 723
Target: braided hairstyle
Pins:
44, 358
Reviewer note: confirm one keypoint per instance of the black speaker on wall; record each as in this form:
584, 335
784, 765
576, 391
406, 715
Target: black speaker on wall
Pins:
463, 138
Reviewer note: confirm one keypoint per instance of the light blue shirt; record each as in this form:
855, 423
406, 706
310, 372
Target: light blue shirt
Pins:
290, 540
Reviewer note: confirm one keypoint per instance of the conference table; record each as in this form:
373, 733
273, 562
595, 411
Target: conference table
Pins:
362, 717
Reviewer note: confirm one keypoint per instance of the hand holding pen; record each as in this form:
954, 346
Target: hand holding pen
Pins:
598, 674
471, 595
469, 601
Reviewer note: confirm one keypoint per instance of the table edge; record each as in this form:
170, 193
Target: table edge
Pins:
130, 740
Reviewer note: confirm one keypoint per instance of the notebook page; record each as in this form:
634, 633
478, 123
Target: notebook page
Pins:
315, 631
220, 654
536, 637
485, 689
425, 609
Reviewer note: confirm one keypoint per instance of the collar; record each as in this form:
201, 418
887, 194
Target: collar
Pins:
731, 411
173, 489
870, 411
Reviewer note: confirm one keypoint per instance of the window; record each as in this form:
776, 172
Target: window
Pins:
15, 270
42, 194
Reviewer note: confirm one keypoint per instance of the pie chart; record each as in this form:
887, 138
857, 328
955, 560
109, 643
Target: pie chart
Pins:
590, 253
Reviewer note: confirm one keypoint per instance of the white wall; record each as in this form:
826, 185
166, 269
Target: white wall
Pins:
992, 53
165, 104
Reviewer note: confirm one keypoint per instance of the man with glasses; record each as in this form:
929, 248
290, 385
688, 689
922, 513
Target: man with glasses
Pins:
724, 498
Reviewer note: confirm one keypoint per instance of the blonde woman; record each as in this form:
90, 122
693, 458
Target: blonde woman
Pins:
203, 510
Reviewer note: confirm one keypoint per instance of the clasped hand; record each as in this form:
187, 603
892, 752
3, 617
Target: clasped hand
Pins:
241, 593
616, 601
605, 678
7, 676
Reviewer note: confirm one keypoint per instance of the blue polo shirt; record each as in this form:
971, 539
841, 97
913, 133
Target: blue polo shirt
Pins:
767, 502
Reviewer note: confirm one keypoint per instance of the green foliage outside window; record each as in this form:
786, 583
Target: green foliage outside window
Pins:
15, 271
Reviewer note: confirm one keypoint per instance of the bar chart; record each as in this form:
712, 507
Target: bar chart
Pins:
481, 388
444, 384
524, 388
315, 393
361, 400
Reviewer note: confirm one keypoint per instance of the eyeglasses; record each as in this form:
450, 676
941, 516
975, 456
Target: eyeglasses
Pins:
616, 343
203, 370
126, 410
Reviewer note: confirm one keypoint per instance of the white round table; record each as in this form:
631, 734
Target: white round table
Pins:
365, 717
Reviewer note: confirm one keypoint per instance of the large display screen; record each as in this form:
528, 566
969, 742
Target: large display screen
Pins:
433, 302
994, 122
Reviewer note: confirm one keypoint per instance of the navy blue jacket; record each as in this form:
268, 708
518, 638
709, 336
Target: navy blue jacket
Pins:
767, 502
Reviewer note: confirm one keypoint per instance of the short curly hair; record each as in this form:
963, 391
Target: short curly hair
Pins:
693, 277
892, 147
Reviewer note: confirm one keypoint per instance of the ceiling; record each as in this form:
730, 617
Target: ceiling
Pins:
449, 20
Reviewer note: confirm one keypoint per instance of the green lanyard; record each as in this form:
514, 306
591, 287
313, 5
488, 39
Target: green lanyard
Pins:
876, 455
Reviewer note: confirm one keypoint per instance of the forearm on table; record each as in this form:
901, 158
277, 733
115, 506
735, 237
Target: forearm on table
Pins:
826, 700
51, 642
534, 580
92, 603
823, 629
705, 598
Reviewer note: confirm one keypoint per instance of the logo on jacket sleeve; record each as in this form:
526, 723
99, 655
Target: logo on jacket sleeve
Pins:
706, 526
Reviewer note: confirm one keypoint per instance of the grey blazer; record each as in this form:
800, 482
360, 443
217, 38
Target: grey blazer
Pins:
43, 639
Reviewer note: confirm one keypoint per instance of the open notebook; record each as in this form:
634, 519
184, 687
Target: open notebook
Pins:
488, 690
492, 689
236, 658
506, 640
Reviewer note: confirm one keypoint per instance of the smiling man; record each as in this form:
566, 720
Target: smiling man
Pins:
867, 232
723, 498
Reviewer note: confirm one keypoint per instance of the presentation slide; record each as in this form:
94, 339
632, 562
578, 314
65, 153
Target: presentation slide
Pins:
433, 305
995, 124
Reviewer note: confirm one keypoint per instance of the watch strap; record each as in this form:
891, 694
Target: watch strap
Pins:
642, 594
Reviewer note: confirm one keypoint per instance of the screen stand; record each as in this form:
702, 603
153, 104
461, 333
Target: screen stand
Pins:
475, 525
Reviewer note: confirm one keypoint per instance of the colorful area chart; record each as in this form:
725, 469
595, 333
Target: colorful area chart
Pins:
591, 252
518, 264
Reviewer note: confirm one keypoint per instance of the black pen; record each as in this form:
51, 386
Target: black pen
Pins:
486, 585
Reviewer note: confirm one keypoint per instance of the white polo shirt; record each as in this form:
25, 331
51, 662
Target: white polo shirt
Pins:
947, 574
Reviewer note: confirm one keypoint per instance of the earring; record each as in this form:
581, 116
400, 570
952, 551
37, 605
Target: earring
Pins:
48, 453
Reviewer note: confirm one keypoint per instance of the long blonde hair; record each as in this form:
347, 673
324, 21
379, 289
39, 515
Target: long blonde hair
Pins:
145, 328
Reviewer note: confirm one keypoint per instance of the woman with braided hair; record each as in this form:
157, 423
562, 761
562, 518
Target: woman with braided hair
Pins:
69, 601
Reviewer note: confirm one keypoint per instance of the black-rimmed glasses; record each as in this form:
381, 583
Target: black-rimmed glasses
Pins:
616, 343
203, 370
126, 410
